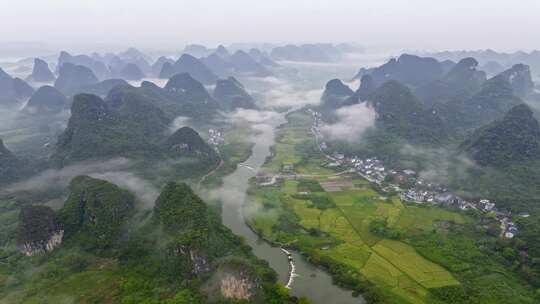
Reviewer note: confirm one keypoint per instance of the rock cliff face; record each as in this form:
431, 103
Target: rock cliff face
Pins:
95, 213
237, 287
519, 77
234, 280
38, 230
199, 263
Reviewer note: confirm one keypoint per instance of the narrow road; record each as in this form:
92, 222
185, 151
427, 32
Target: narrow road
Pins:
209, 174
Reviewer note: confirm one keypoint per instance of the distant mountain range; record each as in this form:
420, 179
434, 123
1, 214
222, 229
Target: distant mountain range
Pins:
408, 69
498, 61
321, 52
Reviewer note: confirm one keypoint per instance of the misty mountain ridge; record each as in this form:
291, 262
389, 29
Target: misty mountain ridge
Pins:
401, 113
41, 72
129, 71
504, 60
494, 98
46, 100
240, 63
408, 69
335, 93
460, 83
321, 52
13, 90
231, 95
98, 68
103, 88
513, 139
191, 65
124, 124
10, 165
72, 78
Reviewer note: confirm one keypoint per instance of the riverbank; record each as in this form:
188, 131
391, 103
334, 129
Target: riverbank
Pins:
311, 282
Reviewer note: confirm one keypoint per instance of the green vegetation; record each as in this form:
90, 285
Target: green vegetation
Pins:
388, 251
401, 114
513, 139
11, 166
114, 253
95, 212
128, 125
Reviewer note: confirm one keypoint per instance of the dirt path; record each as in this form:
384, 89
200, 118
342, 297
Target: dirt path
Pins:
209, 174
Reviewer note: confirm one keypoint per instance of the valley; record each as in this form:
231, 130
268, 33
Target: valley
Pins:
265, 173
310, 282
369, 239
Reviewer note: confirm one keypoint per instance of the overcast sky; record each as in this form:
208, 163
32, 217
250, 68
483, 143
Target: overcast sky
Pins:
406, 24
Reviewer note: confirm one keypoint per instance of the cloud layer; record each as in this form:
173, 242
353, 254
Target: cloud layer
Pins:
115, 171
352, 122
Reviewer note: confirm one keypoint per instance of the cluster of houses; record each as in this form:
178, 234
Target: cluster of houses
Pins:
508, 228
371, 168
409, 186
216, 137
316, 129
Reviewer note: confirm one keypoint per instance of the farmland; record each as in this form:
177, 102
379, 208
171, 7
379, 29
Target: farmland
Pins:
378, 244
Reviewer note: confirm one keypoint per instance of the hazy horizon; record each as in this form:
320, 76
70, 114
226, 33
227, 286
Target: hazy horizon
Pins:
167, 24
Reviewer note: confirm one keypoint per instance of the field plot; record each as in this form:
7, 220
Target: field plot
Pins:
405, 258
415, 218
393, 264
336, 186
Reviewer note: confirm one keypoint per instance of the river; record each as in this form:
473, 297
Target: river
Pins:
311, 282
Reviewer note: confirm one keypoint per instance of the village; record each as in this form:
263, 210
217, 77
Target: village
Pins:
408, 184
215, 139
